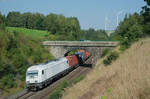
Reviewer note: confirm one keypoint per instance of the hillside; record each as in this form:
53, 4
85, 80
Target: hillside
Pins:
37, 34
127, 78
17, 53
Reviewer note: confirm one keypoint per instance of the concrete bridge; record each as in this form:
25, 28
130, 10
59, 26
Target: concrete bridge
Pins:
60, 48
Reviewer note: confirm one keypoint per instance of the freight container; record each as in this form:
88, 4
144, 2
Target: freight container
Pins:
80, 56
72, 60
86, 54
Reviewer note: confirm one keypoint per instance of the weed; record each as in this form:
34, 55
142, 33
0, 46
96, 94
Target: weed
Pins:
112, 57
78, 79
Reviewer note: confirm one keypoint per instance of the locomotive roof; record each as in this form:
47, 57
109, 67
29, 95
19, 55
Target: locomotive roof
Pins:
44, 65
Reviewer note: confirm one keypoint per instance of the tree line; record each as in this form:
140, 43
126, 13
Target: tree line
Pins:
52, 22
133, 27
59, 26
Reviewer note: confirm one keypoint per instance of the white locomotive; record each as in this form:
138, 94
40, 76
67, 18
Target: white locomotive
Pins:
40, 75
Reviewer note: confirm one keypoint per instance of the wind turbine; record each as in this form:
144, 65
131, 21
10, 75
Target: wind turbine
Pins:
120, 12
108, 23
106, 20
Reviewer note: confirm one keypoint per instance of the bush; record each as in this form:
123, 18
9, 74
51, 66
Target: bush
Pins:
58, 92
105, 52
112, 57
7, 82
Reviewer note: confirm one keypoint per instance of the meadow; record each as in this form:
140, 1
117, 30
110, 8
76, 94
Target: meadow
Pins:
37, 34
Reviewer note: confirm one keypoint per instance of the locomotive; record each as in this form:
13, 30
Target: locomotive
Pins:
41, 75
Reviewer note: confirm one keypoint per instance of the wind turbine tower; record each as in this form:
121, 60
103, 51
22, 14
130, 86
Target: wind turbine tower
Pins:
120, 12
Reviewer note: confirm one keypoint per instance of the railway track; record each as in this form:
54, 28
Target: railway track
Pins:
44, 93
26, 96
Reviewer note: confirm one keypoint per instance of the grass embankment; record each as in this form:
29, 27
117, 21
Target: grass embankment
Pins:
37, 34
126, 78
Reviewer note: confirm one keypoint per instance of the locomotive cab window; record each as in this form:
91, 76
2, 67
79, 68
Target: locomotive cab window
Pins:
32, 73
42, 72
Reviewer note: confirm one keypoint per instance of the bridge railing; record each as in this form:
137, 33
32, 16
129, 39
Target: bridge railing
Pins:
80, 43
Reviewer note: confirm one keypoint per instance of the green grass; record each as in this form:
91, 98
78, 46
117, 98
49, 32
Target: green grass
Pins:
38, 34
78, 79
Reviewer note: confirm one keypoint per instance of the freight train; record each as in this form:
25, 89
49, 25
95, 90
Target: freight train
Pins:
41, 75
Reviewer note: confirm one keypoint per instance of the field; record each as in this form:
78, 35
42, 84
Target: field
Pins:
38, 34
126, 78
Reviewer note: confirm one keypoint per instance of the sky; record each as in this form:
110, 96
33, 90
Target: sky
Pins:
96, 14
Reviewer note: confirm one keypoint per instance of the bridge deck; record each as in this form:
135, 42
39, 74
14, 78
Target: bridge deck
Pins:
81, 43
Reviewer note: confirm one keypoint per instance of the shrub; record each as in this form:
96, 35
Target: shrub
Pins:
105, 52
58, 92
112, 57
7, 82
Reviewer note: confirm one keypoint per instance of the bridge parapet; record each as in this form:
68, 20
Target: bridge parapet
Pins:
82, 43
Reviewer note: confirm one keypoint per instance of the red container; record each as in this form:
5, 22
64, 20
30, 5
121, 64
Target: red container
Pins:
72, 60
86, 54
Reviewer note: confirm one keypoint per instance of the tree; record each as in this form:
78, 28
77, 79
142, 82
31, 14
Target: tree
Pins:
92, 34
2, 19
146, 15
51, 23
73, 28
130, 29
148, 2
38, 21
14, 19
